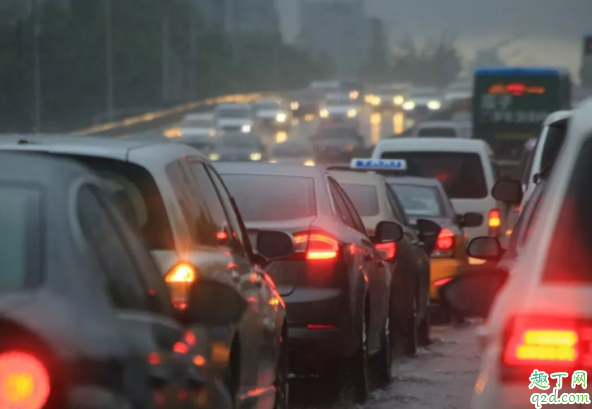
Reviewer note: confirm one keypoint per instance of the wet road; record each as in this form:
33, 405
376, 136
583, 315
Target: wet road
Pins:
441, 377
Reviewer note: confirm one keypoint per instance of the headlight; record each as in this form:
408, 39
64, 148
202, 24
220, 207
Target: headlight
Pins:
376, 101
246, 128
273, 161
434, 105
281, 117
309, 162
214, 157
399, 100
212, 133
354, 94
173, 133
352, 113
255, 156
294, 106
324, 113
409, 106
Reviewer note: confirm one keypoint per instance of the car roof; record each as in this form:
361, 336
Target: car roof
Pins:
519, 71
441, 124
16, 166
432, 145
414, 181
270, 169
103, 147
558, 116
360, 178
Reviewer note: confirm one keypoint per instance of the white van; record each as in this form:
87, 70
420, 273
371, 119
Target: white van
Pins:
463, 166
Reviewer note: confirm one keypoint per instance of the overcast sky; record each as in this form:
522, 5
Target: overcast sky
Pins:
551, 31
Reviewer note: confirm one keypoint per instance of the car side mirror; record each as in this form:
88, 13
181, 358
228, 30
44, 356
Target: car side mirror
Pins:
508, 191
388, 232
470, 220
485, 248
212, 303
428, 233
273, 245
472, 293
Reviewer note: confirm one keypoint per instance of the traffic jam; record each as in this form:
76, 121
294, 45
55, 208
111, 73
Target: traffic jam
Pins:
345, 245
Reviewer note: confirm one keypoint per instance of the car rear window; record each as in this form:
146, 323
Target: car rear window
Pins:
263, 198
553, 144
422, 201
460, 173
364, 198
137, 196
20, 245
437, 132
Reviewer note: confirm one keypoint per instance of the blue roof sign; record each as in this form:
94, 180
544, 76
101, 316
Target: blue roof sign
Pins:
378, 164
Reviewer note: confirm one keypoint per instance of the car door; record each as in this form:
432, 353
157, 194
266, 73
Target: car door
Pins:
152, 334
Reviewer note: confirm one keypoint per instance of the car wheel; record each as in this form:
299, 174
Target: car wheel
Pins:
424, 328
281, 378
359, 365
384, 360
412, 330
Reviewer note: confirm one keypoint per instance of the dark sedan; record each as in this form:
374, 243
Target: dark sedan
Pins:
86, 318
238, 147
336, 287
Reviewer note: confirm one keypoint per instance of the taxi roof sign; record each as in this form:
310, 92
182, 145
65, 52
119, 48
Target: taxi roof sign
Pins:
379, 164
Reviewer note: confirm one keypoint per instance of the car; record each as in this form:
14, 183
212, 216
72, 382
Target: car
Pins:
443, 129
426, 199
86, 318
238, 147
390, 96
304, 103
293, 152
336, 143
175, 199
459, 92
336, 287
271, 113
465, 168
538, 314
198, 130
233, 118
339, 108
422, 101
406, 260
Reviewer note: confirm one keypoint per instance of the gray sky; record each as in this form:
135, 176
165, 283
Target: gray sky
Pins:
551, 30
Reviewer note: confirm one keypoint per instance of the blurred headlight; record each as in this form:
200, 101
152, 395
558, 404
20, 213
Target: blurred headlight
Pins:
369, 98
246, 128
173, 133
434, 105
350, 148
294, 106
324, 113
273, 161
399, 100
212, 133
309, 162
376, 101
409, 106
214, 157
255, 156
281, 117
354, 94
352, 113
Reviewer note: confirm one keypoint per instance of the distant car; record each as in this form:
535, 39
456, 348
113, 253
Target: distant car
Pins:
459, 92
304, 103
406, 260
336, 286
271, 113
86, 318
339, 108
422, 101
336, 143
232, 118
463, 166
426, 199
198, 130
175, 199
443, 129
238, 147
390, 96
293, 152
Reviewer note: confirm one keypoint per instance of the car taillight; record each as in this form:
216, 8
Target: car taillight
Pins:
24, 381
494, 221
542, 343
441, 282
388, 251
179, 280
316, 246
445, 244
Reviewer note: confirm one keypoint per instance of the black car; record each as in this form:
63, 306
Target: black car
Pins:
304, 103
85, 316
336, 143
238, 147
335, 286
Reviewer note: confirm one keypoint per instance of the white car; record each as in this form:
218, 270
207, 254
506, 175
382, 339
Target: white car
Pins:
542, 318
444, 129
232, 118
463, 166
271, 113
198, 129
339, 108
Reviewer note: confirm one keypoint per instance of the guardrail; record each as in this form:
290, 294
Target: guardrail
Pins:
155, 119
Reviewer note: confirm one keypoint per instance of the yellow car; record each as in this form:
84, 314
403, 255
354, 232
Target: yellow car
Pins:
424, 198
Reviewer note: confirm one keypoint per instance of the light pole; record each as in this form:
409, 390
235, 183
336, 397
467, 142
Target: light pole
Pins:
109, 58
37, 67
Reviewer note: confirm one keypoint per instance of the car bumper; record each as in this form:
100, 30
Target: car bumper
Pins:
441, 268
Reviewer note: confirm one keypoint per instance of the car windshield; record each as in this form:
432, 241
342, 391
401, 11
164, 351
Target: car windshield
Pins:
364, 198
461, 174
238, 141
443, 132
20, 245
231, 113
420, 201
137, 196
266, 198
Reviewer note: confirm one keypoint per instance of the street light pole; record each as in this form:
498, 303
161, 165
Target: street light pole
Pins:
37, 67
109, 58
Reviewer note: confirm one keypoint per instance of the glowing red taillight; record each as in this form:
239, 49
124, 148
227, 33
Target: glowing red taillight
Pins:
441, 282
317, 246
179, 280
388, 251
494, 221
24, 381
445, 244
